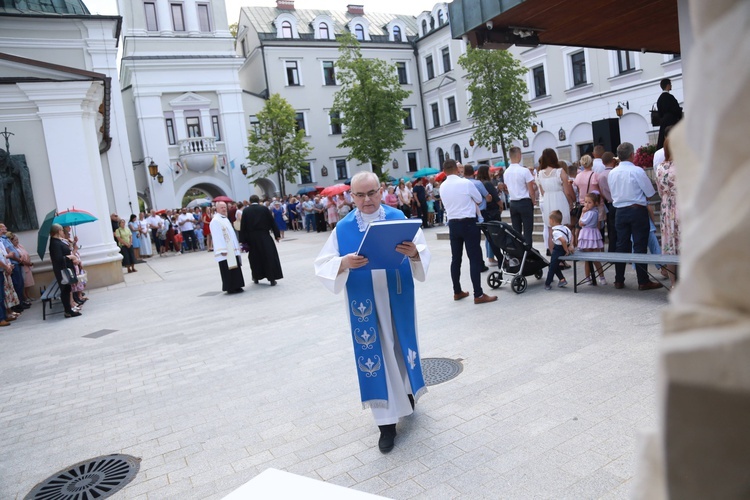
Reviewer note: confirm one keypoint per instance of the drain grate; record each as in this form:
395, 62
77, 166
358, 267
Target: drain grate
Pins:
439, 370
96, 478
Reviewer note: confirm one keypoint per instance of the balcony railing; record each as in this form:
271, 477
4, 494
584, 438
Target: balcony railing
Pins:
197, 145
198, 154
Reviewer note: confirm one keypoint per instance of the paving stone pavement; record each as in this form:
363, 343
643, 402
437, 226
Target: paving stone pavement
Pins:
209, 390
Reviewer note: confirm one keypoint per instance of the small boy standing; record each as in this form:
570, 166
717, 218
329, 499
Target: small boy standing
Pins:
430, 210
561, 238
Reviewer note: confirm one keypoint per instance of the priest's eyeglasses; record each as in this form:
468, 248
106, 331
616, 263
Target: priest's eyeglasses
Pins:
369, 194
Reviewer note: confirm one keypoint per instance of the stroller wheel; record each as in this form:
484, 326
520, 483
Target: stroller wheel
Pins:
538, 275
518, 284
495, 279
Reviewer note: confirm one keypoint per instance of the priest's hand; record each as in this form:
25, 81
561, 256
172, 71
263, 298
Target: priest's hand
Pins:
352, 261
408, 248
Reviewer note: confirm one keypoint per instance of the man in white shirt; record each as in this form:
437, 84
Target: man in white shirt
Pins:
227, 251
460, 198
630, 188
520, 184
598, 166
187, 228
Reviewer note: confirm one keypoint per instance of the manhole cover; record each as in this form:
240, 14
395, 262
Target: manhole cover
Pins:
439, 370
91, 479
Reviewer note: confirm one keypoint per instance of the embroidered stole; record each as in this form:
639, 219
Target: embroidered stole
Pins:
363, 318
231, 263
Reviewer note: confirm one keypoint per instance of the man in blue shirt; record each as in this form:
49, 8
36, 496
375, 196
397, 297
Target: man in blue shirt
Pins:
630, 188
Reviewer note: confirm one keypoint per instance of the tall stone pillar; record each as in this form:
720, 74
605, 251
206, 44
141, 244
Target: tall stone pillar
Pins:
164, 18
191, 18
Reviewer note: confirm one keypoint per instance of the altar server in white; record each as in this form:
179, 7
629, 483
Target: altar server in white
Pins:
386, 350
227, 251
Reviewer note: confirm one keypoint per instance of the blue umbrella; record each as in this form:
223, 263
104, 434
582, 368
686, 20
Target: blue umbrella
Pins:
500, 164
74, 217
307, 189
43, 235
425, 172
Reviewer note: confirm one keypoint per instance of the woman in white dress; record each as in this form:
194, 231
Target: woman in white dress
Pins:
555, 187
144, 234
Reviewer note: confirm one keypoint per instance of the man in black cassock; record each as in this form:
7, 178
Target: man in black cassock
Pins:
669, 109
255, 224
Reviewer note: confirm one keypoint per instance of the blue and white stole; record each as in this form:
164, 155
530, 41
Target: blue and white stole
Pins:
363, 318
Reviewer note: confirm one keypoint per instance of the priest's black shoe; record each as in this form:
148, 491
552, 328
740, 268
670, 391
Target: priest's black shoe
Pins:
387, 435
273, 282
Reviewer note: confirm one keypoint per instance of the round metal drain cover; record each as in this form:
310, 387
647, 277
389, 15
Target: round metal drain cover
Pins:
96, 478
439, 370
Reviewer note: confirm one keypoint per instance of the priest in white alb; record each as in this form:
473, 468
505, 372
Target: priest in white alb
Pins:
381, 309
227, 250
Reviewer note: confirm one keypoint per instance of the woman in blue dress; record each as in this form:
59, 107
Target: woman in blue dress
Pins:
278, 214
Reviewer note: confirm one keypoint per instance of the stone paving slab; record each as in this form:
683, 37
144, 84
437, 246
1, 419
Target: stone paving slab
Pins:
210, 390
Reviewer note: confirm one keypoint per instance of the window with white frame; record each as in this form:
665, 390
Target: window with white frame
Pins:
178, 18
430, 67
625, 61
412, 160
323, 31
286, 30
204, 21
446, 55
408, 123
329, 73
578, 68
292, 73
540, 84
341, 172
334, 117
215, 127
435, 109
450, 103
151, 20
171, 137
299, 118
403, 76
305, 173
397, 34
424, 27
193, 126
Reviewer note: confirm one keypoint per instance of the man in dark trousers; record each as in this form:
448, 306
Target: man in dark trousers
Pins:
255, 224
420, 195
669, 109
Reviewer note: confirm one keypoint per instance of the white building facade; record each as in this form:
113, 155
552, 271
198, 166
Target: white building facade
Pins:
184, 106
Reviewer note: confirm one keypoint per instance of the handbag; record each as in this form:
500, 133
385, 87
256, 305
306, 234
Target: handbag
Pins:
82, 277
655, 116
577, 209
68, 277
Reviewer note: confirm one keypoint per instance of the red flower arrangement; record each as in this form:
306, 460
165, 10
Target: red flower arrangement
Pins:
644, 156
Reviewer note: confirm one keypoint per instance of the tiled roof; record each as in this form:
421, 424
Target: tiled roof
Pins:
262, 20
39, 7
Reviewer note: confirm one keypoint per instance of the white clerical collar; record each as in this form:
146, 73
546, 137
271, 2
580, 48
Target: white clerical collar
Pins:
364, 220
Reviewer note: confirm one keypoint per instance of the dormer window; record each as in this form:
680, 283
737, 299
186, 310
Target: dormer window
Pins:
397, 34
286, 30
359, 32
424, 27
323, 31
440, 18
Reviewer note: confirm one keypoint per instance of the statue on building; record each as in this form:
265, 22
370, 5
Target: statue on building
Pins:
17, 209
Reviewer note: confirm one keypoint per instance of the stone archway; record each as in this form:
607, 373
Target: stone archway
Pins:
267, 188
212, 188
634, 129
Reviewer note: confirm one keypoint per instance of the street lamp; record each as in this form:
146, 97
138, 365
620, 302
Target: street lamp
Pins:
243, 169
535, 126
618, 109
153, 168
471, 142
159, 177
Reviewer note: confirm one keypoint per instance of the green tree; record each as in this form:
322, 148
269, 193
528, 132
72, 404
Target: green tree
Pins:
498, 97
276, 144
233, 29
369, 106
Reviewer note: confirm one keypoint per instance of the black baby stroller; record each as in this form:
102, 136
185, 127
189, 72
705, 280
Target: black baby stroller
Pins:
518, 258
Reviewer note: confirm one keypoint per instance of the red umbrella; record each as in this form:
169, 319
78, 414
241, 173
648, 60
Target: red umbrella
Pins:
440, 177
335, 189
223, 198
495, 169
160, 212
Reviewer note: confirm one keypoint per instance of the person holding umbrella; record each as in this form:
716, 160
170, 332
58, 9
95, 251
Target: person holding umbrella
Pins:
125, 240
62, 258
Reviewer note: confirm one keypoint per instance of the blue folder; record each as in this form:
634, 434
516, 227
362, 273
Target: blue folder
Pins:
380, 240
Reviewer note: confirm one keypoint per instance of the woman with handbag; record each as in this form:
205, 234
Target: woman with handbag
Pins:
62, 266
125, 239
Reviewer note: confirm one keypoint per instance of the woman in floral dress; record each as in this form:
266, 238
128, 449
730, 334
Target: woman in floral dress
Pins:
670, 223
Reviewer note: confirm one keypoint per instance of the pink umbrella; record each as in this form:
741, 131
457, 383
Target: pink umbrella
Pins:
335, 189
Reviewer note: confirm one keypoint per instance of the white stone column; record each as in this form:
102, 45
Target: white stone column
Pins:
67, 112
154, 145
206, 127
191, 18
164, 18
234, 135
179, 123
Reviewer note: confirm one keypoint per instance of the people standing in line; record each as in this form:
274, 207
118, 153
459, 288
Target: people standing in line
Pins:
16, 274
227, 251
670, 215
631, 188
125, 241
256, 224
554, 185
381, 309
609, 163
520, 184
308, 211
598, 165
670, 111
461, 200
61, 257
186, 223
561, 239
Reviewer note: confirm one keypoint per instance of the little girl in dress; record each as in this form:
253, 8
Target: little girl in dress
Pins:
590, 237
